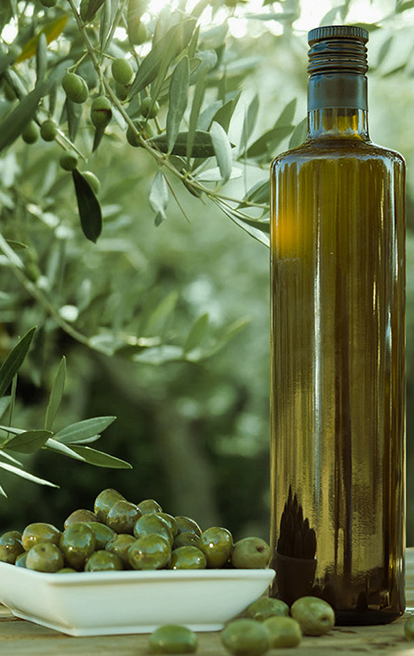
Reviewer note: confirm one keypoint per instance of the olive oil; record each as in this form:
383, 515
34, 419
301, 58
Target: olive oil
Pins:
338, 349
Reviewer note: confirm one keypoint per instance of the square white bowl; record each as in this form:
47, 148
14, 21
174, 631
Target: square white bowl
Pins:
110, 603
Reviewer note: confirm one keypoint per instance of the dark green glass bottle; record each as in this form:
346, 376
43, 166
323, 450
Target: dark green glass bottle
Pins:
338, 349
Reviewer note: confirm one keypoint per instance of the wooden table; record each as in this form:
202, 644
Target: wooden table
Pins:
22, 638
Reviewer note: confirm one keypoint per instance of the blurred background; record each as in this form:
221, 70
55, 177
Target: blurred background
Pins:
196, 430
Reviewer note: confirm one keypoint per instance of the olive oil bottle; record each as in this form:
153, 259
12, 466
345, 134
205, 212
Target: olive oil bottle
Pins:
338, 349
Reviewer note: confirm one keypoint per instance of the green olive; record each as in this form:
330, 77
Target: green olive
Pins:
186, 540
101, 112
21, 560
75, 88
10, 547
173, 639
153, 523
216, 543
120, 545
66, 570
149, 506
123, 516
409, 628
245, 637
80, 515
149, 552
171, 522
77, 543
40, 532
121, 71
103, 561
283, 631
68, 161
44, 557
121, 91
104, 502
251, 553
48, 130
138, 33
314, 615
148, 108
30, 133
103, 534
265, 607
187, 558
187, 525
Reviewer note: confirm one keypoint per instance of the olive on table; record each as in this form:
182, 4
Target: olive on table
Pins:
266, 607
153, 523
21, 560
314, 615
283, 631
10, 547
171, 521
245, 637
103, 534
80, 515
188, 532
173, 639
149, 506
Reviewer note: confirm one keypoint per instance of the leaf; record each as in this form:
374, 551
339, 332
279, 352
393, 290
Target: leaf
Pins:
197, 333
89, 9
259, 193
202, 146
26, 475
160, 355
225, 113
89, 208
83, 430
250, 118
28, 441
4, 404
266, 144
158, 196
100, 459
198, 98
56, 394
222, 149
64, 450
51, 31
257, 229
14, 360
73, 113
299, 134
403, 6
178, 99
12, 126
41, 57
165, 50
287, 114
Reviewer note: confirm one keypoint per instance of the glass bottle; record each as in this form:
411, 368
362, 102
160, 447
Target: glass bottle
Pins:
338, 349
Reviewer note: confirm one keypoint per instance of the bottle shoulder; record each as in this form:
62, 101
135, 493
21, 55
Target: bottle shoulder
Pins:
333, 149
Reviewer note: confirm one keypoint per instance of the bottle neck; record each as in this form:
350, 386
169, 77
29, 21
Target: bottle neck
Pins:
337, 106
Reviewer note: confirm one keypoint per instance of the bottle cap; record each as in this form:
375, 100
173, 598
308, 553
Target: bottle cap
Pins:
338, 49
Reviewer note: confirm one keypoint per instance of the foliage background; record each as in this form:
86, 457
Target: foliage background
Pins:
195, 428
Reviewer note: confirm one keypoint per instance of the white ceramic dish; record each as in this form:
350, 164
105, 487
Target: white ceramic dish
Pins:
106, 603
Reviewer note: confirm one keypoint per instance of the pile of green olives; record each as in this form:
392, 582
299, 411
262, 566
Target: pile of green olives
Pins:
121, 535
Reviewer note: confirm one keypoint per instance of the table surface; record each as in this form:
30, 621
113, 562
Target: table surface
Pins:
22, 638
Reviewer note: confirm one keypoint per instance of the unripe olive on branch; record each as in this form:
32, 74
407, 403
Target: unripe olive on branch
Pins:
121, 91
121, 71
132, 138
48, 3
138, 33
101, 112
75, 87
48, 130
149, 109
68, 161
30, 133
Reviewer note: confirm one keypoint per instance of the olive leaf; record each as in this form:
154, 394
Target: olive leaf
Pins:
100, 459
25, 474
202, 144
41, 57
162, 53
28, 441
222, 150
56, 395
178, 99
90, 212
158, 197
299, 134
51, 30
12, 126
259, 229
83, 430
14, 360
197, 333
